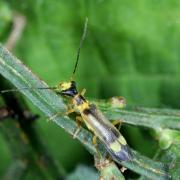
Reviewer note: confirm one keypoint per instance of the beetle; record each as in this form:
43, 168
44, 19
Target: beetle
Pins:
96, 122
93, 118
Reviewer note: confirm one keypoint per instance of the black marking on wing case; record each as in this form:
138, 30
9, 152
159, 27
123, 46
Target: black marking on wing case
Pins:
125, 154
113, 135
87, 111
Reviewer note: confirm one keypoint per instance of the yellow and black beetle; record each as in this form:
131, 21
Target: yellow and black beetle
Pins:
97, 122
93, 118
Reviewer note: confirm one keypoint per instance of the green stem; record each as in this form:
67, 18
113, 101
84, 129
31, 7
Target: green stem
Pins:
145, 117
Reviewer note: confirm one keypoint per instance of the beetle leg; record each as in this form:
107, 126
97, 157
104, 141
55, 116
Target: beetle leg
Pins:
94, 141
116, 122
69, 111
79, 120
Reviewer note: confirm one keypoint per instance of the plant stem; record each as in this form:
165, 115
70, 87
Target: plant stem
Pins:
145, 117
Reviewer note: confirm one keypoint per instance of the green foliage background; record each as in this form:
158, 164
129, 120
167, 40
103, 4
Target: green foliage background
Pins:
132, 50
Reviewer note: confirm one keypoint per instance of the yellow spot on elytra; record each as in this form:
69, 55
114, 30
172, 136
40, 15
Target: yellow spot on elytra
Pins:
122, 140
115, 146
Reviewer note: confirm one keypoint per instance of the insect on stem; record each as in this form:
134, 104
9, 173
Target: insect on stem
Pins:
93, 118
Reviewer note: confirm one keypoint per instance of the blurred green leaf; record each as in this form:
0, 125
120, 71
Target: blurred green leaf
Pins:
83, 172
5, 15
17, 170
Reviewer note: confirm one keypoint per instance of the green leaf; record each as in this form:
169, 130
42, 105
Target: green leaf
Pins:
146, 117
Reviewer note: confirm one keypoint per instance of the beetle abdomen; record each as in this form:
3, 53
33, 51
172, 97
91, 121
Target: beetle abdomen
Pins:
124, 154
107, 133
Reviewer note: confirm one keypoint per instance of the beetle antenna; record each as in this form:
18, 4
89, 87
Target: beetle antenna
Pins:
16, 90
80, 46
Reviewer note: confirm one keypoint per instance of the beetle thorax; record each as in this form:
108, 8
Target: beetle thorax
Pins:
80, 102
